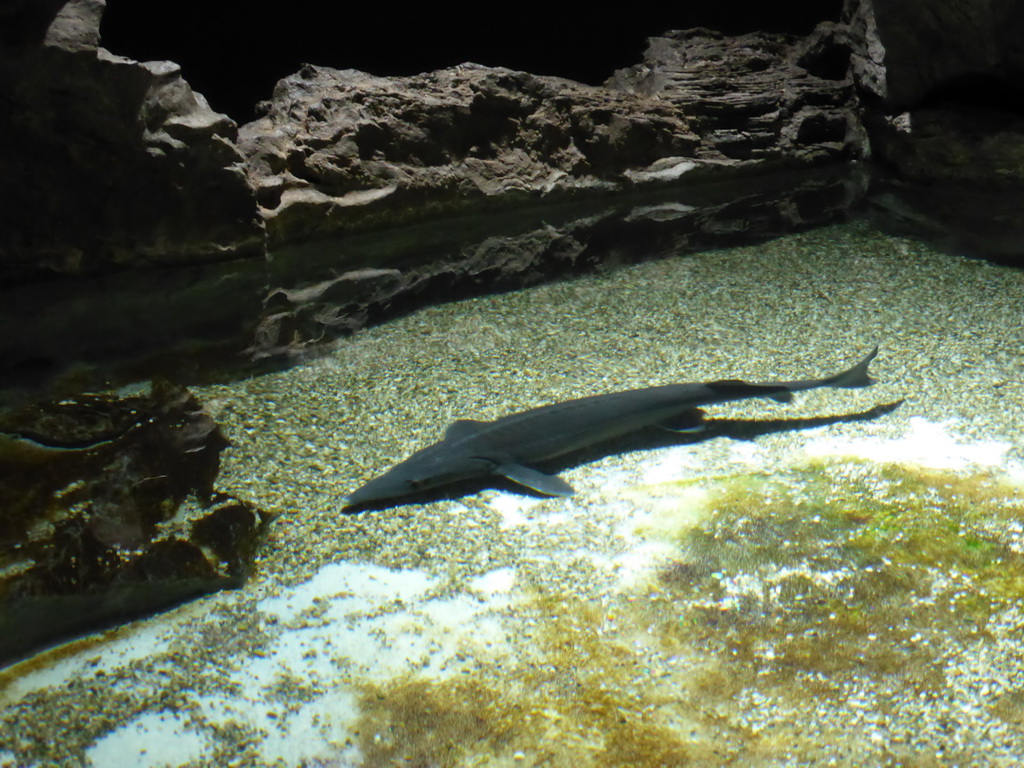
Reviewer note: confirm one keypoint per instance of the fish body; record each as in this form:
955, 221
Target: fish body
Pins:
510, 445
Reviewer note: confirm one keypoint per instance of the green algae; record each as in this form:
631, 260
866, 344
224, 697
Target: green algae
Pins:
794, 589
585, 697
847, 571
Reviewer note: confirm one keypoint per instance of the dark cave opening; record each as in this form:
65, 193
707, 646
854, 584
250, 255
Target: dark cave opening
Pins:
992, 91
234, 57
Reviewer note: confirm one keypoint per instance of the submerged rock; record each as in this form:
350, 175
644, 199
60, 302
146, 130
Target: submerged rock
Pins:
110, 511
322, 289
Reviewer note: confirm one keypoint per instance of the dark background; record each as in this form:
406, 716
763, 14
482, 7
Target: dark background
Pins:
233, 54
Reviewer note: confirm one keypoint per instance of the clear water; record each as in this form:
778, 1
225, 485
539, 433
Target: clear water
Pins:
843, 594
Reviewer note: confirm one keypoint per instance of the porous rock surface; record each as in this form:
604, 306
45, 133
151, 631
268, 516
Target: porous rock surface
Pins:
755, 97
339, 150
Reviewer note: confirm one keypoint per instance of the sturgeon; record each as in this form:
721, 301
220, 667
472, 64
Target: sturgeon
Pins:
510, 446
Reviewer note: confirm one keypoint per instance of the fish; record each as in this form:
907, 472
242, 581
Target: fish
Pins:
512, 445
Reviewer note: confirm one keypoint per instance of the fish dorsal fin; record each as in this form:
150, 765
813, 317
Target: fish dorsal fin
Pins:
549, 485
462, 428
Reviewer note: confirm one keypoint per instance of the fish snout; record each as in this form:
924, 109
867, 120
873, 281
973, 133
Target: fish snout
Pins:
382, 487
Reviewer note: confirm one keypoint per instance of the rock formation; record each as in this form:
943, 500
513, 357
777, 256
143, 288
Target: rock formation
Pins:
120, 165
109, 511
339, 151
756, 97
345, 155
109, 163
946, 118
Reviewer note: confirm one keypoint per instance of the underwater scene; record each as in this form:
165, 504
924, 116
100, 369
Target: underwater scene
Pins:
833, 580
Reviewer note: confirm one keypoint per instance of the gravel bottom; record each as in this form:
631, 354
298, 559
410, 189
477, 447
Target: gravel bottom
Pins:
841, 594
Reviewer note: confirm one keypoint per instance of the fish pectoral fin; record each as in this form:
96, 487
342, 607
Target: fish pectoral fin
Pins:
549, 485
687, 422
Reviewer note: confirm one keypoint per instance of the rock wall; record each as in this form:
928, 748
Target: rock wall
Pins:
109, 163
944, 91
119, 167
114, 164
339, 150
119, 164
911, 48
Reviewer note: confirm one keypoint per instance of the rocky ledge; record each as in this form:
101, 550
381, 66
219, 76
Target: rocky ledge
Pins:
149, 175
338, 151
118, 164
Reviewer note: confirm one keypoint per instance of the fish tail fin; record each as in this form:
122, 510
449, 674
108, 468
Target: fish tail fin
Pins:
857, 376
